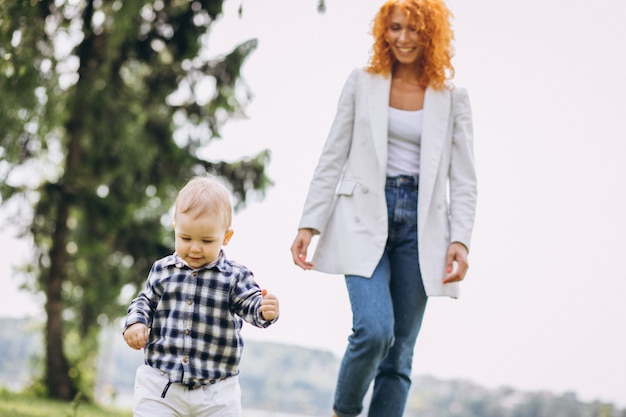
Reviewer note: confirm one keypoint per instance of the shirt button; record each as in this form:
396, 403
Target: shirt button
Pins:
187, 331
194, 273
189, 302
185, 359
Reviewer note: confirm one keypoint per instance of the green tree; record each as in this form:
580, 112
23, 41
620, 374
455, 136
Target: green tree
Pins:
107, 107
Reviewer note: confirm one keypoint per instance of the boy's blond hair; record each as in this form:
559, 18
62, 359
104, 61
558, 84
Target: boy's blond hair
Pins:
205, 194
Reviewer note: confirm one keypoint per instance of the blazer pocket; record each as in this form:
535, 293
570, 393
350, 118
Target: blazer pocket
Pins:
346, 188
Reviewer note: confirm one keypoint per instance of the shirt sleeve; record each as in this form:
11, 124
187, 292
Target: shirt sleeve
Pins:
246, 299
142, 308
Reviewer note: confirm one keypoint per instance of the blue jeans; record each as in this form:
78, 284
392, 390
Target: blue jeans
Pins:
387, 312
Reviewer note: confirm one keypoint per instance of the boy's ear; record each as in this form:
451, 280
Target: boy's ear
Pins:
229, 233
174, 225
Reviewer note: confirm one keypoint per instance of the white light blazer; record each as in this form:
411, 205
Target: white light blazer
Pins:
346, 201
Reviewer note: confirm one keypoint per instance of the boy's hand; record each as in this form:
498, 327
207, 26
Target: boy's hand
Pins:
269, 306
136, 336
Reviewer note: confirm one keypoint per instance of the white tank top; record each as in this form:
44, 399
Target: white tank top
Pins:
403, 142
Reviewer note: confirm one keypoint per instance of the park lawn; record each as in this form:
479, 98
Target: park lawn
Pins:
19, 405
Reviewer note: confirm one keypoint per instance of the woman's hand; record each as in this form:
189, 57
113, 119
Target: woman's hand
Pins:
456, 263
299, 248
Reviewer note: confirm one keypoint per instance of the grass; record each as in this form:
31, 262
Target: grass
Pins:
20, 405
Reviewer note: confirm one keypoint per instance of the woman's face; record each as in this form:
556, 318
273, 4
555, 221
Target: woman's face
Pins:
403, 38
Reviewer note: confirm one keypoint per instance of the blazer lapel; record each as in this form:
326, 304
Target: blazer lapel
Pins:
437, 104
379, 88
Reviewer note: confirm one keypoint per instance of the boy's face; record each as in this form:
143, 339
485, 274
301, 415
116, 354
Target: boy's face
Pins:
199, 240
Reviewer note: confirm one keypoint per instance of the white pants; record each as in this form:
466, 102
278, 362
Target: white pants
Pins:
222, 399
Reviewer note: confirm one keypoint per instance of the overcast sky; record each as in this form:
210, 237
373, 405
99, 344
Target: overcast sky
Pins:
543, 304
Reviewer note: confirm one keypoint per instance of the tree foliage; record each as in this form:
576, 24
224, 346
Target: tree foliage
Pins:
106, 105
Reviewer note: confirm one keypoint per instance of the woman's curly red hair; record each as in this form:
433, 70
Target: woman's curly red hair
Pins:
431, 18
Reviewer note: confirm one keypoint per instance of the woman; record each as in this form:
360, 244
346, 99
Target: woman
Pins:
393, 199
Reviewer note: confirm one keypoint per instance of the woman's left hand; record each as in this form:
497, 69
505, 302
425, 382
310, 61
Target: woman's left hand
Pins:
456, 263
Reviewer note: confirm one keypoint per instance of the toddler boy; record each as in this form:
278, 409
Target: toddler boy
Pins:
189, 316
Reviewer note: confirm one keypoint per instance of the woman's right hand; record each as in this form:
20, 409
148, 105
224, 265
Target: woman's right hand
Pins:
299, 248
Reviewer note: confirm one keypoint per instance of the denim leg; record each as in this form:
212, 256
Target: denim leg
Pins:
387, 314
371, 338
393, 378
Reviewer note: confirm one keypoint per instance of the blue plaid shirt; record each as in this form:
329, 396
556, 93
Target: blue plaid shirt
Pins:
195, 318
